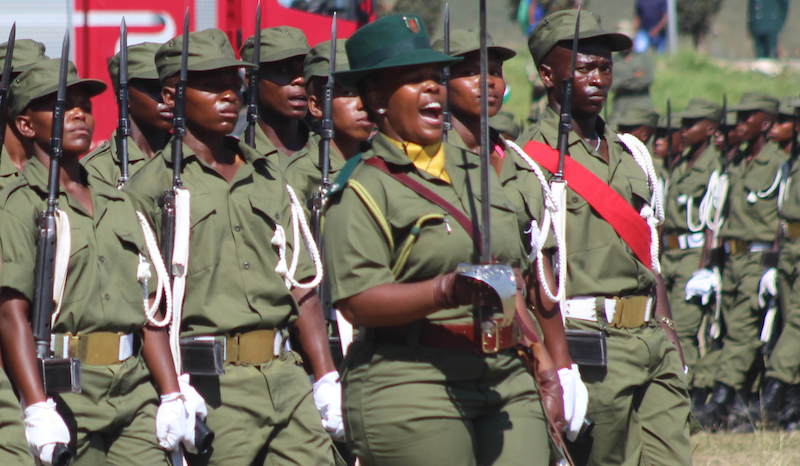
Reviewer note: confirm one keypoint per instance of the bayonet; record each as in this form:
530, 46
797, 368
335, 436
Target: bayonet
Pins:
446, 74
252, 85
123, 124
486, 227
6, 83
565, 120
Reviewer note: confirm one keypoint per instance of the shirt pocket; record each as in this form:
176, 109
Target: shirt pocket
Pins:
204, 238
641, 194
126, 263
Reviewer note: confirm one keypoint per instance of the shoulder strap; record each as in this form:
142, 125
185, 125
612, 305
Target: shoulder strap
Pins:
344, 174
629, 225
431, 196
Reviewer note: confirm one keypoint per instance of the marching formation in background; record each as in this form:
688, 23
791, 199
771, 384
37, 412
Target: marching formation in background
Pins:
181, 295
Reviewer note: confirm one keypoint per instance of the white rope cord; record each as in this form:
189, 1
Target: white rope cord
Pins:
783, 190
689, 223
180, 267
163, 287
718, 190
549, 222
654, 216
63, 250
299, 225
775, 183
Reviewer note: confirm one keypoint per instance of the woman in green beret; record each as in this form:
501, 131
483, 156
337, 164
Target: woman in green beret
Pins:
425, 383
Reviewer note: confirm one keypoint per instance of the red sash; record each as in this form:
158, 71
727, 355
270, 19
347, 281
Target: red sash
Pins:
629, 225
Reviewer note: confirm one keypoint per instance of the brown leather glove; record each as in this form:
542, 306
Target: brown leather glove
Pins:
552, 398
451, 290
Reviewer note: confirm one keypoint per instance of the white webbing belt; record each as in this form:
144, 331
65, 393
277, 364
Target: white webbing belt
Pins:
691, 240
584, 308
755, 246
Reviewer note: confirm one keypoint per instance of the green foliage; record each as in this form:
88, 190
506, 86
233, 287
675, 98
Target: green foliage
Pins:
695, 16
428, 10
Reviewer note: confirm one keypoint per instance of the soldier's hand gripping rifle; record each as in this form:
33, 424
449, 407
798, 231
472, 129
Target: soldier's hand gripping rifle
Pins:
252, 85
174, 205
447, 125
6, 76
58, 375
123, 123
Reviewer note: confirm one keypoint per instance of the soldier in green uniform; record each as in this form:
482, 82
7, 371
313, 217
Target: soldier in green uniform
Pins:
639, 401
783, 365
663, 160
640, 120
150, 123
238, 289
281, 133
749, 230
415, 382
633, 76
685, 228
13, 154
505, 124
126, 360
733, 141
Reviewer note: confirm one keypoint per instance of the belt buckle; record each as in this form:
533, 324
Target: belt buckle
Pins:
490, 337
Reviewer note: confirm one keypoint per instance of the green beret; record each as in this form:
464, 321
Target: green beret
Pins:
278, 43
463, 42
560, 26
505, 122
638, 115
752, 101
41, 80
787, 106
702, 108
389, 42
208, 50
26, 53
317, 61
141, 63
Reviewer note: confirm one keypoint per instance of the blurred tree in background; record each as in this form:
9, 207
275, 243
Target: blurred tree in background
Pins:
695, 17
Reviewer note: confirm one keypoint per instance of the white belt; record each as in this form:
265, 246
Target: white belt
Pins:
691, 240
584, 308
125, 345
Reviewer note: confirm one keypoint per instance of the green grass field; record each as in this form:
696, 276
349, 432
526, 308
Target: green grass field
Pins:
681, 77
763, 449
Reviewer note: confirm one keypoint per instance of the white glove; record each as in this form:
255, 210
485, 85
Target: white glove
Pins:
328, 398
195, 407
768, 286
703, 283
44, 428
171, 420
576, 400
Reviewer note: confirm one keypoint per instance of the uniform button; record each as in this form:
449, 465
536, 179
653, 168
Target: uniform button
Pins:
641, 279
237, 228
102, 259
255, 299
246, 265
628, 249
574, 199
277, 216
107, 297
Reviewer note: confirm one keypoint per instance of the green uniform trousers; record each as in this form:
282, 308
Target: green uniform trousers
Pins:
743, 318
263, 415
418, 406
677, 267
639, 403
784, 362
13, 446
113, 420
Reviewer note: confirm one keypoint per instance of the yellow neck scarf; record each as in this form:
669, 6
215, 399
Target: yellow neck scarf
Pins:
429, 159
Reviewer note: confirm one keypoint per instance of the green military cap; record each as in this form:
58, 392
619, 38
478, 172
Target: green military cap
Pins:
505, 122
702, 108
41, 80
26, 53
141, 63
788, 105
462, 42
560, 26
208, 50
391, 41
317, 61
757, 101
278, 43
638, 114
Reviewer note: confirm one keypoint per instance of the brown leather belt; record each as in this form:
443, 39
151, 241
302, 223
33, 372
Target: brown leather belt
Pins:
792, 230
672, 242
460, 337
737, 246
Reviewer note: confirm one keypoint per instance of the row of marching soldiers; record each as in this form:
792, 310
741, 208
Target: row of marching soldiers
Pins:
730, 254
568, 327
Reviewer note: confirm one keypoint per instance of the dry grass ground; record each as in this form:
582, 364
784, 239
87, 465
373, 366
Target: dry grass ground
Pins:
763, 449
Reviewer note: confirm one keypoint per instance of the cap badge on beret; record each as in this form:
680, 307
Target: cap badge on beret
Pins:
412, 24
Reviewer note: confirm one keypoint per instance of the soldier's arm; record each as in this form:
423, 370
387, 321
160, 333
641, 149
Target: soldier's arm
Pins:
19, 347
158, 357
310, 330
548, 314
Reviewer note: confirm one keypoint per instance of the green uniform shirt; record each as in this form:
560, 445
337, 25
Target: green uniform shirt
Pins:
102, 292
278, 158
103, 162
599, 262
752, 196
358, 255
304, 171
231, 284
8, 171
790, 208
687, 185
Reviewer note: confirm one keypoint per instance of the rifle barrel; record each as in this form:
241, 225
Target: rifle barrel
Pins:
179, 120
565, 120
123, 125
252, 85
447, 125
486, 226
6, 81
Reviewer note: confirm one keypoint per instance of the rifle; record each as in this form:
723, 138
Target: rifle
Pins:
486, 166
446, 74
58, 375
669, 134
326, 133
723, 124
252, 85
203, 435
6, 76
123, 123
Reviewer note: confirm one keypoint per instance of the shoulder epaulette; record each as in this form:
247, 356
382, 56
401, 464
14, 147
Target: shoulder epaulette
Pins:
344, 174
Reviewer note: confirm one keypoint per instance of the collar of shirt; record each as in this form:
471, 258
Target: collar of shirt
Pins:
429, 158
279, 158
7, 167
548, 125
337, 159
134, 153
249, 154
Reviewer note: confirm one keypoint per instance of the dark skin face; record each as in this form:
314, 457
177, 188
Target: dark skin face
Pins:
781, 132
213, 101
282, 88
753, 124
660, 146
412, 100
36, 123
733, 137
593, 77
143, 100
642, 132
696, 131
465, 91
350, 118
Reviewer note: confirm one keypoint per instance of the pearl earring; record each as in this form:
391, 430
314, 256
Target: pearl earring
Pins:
381, 111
